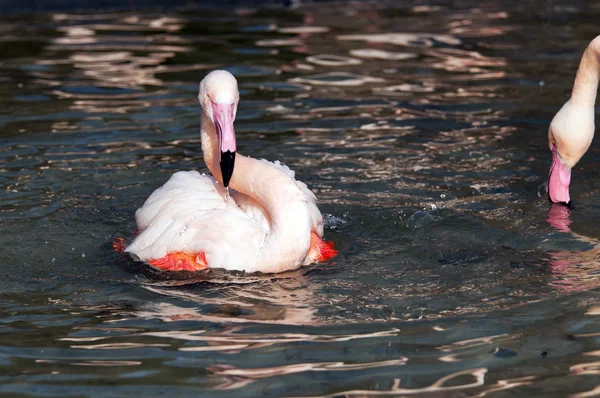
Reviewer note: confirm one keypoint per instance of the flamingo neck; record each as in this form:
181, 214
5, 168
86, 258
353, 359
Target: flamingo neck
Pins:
210, 147
588, 74
287, 242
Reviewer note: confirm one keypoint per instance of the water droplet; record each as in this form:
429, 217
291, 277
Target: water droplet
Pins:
419, 219
543, 192
332, 222
83, 255
443, 195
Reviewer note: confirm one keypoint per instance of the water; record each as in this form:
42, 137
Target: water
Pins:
422, 129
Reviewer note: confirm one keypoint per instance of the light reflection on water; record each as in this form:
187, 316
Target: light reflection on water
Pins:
421, 129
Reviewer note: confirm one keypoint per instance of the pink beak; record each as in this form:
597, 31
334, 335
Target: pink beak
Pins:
558, 180
223, 118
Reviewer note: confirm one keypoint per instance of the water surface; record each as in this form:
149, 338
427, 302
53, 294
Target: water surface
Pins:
422, 130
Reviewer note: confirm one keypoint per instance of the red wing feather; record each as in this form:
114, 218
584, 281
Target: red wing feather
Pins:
180, 261
319, 249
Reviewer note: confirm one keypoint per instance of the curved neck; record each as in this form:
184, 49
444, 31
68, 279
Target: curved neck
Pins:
210, 146
286, 244
588, 74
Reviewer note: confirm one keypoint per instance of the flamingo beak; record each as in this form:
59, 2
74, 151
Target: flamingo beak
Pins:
223, 115
558, 180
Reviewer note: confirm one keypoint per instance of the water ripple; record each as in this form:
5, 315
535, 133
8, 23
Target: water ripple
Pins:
453, 278
404, 39
336, 79
440, 387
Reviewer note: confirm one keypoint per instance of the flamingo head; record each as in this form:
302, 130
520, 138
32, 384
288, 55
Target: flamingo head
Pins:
569, 137
219, 98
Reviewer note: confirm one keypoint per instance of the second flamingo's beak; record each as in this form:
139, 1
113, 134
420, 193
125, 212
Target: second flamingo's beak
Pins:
558, 180
223, 115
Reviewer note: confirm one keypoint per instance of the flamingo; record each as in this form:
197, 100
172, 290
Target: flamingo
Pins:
572, 128
250, 215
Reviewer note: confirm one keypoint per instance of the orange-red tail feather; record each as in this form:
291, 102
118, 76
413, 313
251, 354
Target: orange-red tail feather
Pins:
119, 245
319, 249
177, 261
180, 261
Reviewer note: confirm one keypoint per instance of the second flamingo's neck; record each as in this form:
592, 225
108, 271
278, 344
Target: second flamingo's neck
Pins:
287, 242
588, 74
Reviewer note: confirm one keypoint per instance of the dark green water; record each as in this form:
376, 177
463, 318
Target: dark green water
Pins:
422, 130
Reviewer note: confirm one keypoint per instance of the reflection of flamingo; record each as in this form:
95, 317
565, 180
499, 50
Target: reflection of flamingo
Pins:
268, 222
572, 270
560, 218
572, 129
285, 298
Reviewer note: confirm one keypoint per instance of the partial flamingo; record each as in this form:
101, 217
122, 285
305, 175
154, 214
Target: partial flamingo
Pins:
572, 129
251, 216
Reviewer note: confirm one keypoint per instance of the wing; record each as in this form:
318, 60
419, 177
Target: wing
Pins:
186, 214
185, 191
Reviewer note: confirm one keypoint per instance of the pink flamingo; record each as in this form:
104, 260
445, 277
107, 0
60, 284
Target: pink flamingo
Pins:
572, 129
266, 222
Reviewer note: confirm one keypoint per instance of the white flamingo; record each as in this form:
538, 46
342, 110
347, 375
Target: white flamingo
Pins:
572, 129
266, 222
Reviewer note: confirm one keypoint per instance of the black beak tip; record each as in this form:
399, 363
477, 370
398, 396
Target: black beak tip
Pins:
227, 162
